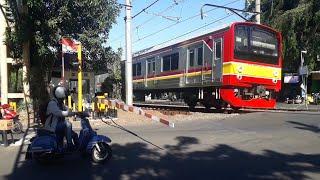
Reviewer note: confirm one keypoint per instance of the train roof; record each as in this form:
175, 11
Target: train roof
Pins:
179, 40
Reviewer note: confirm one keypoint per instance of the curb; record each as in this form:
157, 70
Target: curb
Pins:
137, 110
285, 109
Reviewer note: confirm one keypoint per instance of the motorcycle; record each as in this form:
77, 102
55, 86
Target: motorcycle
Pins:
8, 114
316, 98
45, 146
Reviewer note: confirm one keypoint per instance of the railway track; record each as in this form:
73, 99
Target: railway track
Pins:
181, 108
172, 108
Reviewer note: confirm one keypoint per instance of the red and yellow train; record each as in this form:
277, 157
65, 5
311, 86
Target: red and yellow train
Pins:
236, 66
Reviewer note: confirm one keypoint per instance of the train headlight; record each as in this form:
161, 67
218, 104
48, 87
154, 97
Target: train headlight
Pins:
276, 73
236, 92
240, 69
267, 93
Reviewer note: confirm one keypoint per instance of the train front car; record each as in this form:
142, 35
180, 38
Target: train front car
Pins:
252, 66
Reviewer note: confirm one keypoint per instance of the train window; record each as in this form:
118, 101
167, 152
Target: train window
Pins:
174, 61
191, 57
151, 65
256, 44
136, 69
242, 38
154, 66
166, 63
200, 56
218, 49
170, 62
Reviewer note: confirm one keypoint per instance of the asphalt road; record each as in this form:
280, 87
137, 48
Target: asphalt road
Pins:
262, 145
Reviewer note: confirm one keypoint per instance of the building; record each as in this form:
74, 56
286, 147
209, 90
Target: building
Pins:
13, 86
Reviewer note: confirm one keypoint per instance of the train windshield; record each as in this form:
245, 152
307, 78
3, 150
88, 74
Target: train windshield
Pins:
256, 44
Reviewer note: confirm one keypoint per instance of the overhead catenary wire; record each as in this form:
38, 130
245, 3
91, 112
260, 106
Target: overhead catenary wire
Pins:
187, 19
160, 13
145, 9
194, 30
148, 20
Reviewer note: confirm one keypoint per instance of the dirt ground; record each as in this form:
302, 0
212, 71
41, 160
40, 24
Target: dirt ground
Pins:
132, 119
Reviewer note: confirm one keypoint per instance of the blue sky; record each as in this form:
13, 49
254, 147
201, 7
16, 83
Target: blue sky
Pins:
172, 18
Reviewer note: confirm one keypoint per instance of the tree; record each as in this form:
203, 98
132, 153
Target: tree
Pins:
299, 23
47, 21
113, 83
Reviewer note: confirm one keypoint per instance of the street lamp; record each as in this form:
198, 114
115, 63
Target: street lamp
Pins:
302, 58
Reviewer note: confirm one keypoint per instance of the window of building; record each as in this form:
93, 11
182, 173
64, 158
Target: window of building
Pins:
170, 62
15, 79
200, 56
191, 57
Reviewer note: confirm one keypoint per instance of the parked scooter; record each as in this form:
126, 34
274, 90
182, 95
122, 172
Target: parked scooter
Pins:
8, 114
296, 100
316, 98
45, 146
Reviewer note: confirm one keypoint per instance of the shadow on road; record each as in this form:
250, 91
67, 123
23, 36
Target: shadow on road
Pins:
139, 161
307, 127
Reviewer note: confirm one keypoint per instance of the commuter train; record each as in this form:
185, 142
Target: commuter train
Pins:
235, 66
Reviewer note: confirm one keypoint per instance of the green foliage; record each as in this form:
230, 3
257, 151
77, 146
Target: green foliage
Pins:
299, 23
15, 82
112, 84
47, 21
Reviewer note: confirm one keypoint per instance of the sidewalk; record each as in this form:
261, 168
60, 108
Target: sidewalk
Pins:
297, 107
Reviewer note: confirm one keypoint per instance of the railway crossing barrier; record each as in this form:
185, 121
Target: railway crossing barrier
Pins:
137, 110
109, 107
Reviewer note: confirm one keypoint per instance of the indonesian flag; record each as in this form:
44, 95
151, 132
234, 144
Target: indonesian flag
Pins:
69, 45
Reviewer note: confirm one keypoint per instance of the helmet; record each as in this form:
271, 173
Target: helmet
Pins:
60, 92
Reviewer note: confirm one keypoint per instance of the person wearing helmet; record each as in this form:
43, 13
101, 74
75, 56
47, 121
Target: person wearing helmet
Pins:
55, 116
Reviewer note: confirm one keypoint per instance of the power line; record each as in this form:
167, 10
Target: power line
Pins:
187, 19
160, 13
194, 30
145, 22
145, 9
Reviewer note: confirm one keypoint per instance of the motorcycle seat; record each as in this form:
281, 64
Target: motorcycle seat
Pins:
45, 132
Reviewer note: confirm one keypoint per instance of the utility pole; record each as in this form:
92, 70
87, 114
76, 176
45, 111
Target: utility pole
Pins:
128, 53
258, 9
304, 76
79, 50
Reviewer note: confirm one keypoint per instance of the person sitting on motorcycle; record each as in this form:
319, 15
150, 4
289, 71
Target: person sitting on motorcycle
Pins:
55, 117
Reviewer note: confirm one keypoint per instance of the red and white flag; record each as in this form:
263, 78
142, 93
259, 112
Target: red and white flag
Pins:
69, 45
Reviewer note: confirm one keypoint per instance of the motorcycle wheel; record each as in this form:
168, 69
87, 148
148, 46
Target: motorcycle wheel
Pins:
17, 128
104, 155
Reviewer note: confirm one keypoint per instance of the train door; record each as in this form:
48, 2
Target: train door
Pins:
207, 64
146, 75
217, 60
150, 72
190, 65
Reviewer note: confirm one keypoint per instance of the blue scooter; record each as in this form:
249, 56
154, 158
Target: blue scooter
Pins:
45, 146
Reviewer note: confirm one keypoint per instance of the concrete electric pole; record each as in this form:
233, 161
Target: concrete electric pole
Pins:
128, 54
258, 11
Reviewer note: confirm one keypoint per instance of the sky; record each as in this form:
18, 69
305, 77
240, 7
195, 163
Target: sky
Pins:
169, 20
